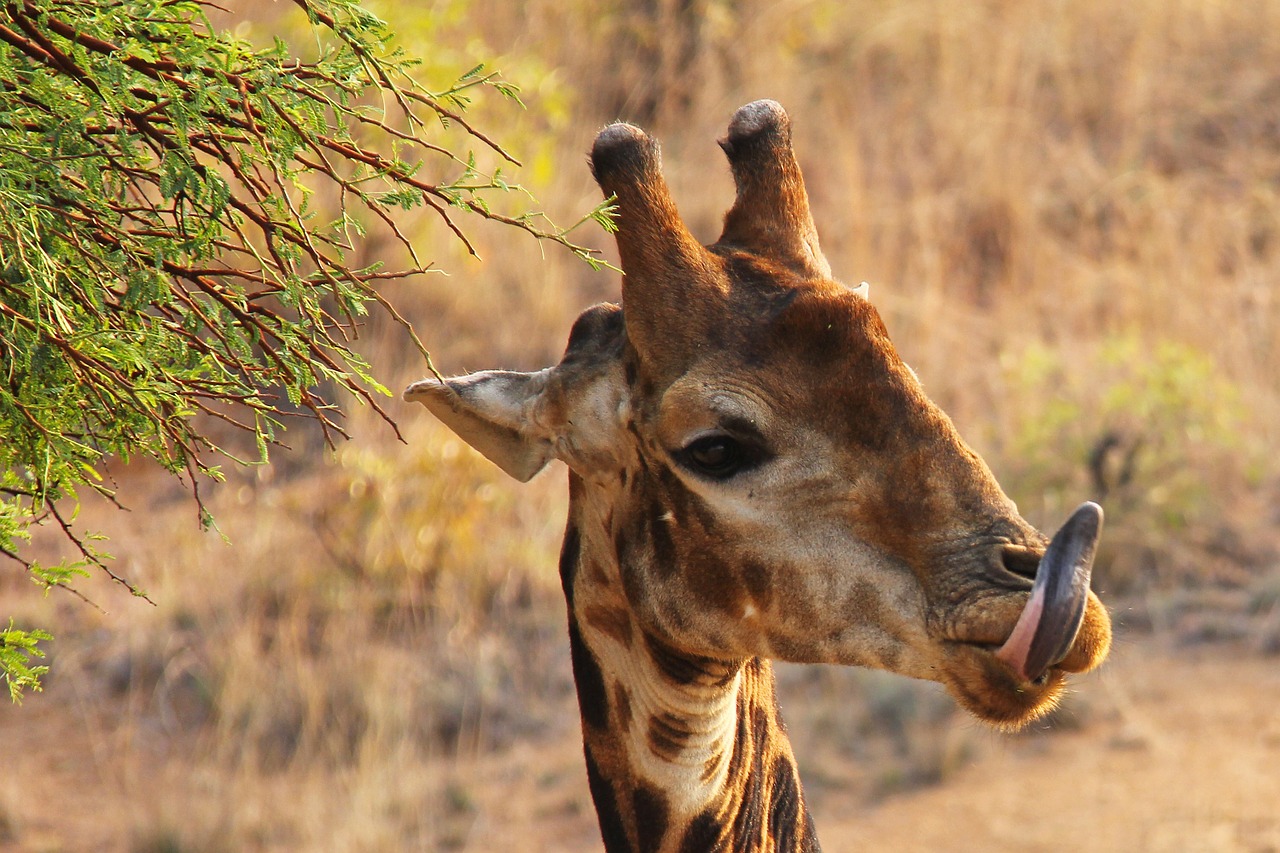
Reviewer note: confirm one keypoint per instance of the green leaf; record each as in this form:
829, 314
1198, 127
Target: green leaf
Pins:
178, 213
17, 648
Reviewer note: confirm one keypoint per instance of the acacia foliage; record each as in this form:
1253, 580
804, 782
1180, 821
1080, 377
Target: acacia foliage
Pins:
164, 265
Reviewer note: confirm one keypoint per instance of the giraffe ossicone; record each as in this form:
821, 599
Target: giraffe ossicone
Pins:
755, 474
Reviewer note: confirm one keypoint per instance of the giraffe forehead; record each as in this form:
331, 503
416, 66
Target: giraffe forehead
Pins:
829, 347
815, 348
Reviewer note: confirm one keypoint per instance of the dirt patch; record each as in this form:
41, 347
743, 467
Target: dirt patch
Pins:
1181, 753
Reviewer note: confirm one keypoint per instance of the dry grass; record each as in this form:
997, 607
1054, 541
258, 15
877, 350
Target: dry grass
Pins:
1070, 216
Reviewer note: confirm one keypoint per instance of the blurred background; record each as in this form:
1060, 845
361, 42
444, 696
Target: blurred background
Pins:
1069, 214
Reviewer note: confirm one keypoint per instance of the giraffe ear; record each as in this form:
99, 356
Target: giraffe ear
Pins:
489, 410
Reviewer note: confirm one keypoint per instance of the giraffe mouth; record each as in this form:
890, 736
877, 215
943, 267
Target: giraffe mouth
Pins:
1047, 628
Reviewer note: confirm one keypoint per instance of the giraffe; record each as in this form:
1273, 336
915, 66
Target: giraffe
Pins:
754, 474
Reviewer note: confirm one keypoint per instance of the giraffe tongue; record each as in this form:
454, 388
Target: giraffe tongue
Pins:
1051, 619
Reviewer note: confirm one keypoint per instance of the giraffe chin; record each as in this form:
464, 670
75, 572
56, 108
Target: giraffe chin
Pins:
992, 691
985, 684
989, 687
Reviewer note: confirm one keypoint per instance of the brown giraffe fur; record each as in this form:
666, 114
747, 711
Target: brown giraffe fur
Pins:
754, 474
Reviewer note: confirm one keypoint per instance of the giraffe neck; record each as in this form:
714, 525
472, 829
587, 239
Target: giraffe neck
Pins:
683, 752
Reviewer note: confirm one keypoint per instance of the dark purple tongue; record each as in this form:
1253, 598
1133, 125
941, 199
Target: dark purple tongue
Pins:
1051, 619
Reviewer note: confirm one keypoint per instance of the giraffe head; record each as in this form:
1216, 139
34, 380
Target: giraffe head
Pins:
775, 481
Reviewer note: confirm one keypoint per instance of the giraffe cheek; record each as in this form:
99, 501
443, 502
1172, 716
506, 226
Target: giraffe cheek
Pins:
662, 605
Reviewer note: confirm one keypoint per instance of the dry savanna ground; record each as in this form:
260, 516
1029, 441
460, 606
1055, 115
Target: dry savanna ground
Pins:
1070, 218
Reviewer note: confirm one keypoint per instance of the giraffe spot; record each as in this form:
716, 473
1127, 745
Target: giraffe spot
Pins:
759, 583
593, 702
785, 805
594, 570
682, 669
890, 658
613, 622
612, 829
678, 511
864, 599
667, 736
703, 833
628, 542
778, 725
701, 511
761, 724
784, 647
665, 559
714, 582
749, 824
686, 505
622, 706
570, 552
650, 810
711, 767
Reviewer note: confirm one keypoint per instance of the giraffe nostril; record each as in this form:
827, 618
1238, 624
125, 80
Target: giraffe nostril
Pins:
1020, 560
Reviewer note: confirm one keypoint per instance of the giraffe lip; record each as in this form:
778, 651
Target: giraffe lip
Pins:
1047, 627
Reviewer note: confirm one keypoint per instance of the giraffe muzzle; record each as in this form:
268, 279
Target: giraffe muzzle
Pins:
1051, 619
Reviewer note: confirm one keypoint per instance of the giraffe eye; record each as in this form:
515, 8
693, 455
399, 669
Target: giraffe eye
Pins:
716, 456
